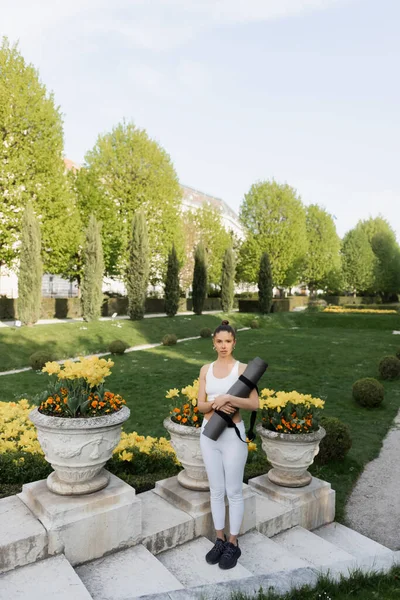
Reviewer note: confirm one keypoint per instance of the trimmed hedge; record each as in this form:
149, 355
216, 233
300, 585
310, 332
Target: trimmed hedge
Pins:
389, 367
38, 359
118, 347
169, 339
368, 392
337, 442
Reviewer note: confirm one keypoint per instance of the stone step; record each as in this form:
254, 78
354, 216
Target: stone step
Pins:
187, 563
23, 539
272, 517
311, 548
126, 575
351, 541
163, 525
263, 556
49, 579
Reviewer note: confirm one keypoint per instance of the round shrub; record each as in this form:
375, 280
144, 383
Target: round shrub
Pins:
255, 324
337, 442
317, 305
169, 339
389, 367
368, 392
118, 347
38, 359
205, 332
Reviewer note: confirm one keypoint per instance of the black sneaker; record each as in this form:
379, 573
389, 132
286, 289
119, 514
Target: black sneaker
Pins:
216, 552
229, 556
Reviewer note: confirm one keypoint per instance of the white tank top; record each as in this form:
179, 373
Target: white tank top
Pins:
217, 385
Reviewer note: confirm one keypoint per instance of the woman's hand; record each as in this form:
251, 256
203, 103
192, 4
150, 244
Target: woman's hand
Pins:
220, 401
228, 409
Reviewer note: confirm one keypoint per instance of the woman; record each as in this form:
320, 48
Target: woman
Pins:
226, 457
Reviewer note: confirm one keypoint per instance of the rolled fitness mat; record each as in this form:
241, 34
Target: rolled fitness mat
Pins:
242, 389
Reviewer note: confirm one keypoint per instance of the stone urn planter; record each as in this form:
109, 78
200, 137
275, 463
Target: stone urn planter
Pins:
78, 449
186, 443
290, 455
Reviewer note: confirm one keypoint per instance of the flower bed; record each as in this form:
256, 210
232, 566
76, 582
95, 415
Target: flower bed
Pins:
290, 412
371, 311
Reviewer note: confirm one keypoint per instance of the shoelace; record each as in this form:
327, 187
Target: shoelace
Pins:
230, 550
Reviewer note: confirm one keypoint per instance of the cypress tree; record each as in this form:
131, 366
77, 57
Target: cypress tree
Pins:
30, 269
137, 273
93, 271
265, 285
172, 284
227, 280
199, 279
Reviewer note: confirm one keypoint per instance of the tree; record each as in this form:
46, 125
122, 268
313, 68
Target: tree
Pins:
30, 269
265, 285
322, 261
32, 168
228, 280
205, 225
274, 218
93, 272
137, 273
131, 172
172, 284
387, 253
199, 279
358, 261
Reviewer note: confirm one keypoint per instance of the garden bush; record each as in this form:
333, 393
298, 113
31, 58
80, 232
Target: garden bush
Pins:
389, 367
337, 442
38, 359
118, 347
255, 324
398, 354
368, 392
205, 332
316, 305
169, 339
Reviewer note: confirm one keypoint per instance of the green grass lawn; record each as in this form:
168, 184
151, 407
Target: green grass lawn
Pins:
74, 339
313, 353
357, 587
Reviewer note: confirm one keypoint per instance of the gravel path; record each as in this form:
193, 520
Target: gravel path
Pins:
374, 505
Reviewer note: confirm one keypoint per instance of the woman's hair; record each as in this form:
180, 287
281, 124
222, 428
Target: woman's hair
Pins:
225, 327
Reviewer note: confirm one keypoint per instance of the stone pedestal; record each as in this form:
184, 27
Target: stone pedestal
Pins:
86, 527
197, 505
312, 505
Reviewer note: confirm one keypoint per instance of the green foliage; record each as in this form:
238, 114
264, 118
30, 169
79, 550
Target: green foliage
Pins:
337, 442
389, 367
254, 324
30, 269
169, 339
200, 279
316, 305
205, 225
118, 347
265, 285
358, 261
274, 218
23, 467
322, 262
206, 332
398, 354
228, 280
32, 167
172, 291
368, 392
137, 272
38, 359
93, 272
131, 172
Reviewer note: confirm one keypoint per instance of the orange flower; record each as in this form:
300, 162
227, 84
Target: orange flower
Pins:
185, 406
196, 409
195, 418
177, 410
49, 401
179, 417
102, 404
94, 404
184, 420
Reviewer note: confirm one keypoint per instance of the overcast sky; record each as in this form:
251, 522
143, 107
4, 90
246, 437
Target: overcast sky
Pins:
303, 91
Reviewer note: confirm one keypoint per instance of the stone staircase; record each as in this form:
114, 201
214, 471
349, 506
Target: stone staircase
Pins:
282, 548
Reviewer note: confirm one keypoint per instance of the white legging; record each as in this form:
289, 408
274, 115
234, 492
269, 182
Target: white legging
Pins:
225, 460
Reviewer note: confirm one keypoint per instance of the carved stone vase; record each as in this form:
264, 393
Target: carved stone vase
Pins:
78, 449
185, 441
290, 455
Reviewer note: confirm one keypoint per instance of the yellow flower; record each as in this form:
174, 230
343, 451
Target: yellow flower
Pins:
52, 368
126, 456
174, 393
252, 446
